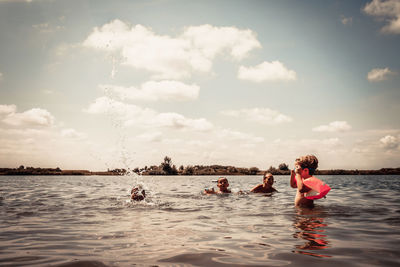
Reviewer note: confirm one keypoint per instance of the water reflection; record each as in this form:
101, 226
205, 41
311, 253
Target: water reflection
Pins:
310, 226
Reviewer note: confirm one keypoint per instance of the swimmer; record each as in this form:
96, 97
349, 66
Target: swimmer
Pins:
305, 167
222, 184
266, 186
137, 195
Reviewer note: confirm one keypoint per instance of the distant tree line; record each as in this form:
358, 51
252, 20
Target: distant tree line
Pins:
166, 167
21, 170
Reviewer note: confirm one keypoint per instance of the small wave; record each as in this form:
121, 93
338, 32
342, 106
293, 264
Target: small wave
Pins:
83, 264
20, 260
199, 259
393, 221
25, 213
182, 209
202, 217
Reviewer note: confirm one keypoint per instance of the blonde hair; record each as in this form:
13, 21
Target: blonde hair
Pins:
309, 161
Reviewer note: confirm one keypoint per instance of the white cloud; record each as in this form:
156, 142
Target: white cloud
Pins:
210, 41
154, 91
335, 126
44, 147
260, 115
376, 75
172, 57
134, 115
47, 27
1, 76
390, 142
307, 144
32, 117
151, 137
266, 71
346, 20
72, 133
389, 11
178, 121
228, 134
7, 109
331, 142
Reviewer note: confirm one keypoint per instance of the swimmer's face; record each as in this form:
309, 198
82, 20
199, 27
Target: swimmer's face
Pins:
269, 179
223, 183
302, 171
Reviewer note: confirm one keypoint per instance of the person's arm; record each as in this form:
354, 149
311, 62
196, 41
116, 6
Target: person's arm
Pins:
301, 187
293, 179
209, 191
299, 182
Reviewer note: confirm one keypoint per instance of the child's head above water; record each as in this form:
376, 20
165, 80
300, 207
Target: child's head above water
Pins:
137, 193
309, 162
223, 184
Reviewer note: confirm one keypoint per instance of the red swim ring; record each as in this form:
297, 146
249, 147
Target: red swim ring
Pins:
318, 188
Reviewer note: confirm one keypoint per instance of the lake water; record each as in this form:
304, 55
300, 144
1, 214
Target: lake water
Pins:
89, 221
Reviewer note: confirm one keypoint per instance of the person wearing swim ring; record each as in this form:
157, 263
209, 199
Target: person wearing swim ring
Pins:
222, 184
266, 186
305, 167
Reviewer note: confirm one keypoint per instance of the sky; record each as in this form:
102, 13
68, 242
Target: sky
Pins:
121, 84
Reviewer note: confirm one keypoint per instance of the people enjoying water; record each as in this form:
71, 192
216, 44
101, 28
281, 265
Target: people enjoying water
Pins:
305, 167
137, 194
266, 186
222, 184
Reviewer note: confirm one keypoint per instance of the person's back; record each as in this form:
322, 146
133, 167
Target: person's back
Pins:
305, 167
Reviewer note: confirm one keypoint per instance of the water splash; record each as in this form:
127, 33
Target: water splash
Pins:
125, 158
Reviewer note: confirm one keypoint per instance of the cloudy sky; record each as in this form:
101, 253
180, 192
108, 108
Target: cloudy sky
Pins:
105, 84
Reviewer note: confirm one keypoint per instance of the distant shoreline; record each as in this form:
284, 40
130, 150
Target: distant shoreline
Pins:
215, 170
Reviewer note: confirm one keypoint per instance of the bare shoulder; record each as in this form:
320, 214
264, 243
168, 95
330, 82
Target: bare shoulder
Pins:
257, 188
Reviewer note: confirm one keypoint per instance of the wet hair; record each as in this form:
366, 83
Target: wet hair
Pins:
309, 161
222, 178
268, 174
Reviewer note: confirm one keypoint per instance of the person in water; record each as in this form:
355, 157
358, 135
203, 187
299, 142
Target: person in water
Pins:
222, 184
137, 194
266, 186
305, 167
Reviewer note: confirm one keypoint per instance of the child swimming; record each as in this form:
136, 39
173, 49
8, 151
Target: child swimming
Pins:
222, 184
137, 195
266, 186
305, 167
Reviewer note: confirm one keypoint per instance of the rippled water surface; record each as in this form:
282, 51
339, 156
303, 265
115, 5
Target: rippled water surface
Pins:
89, 221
